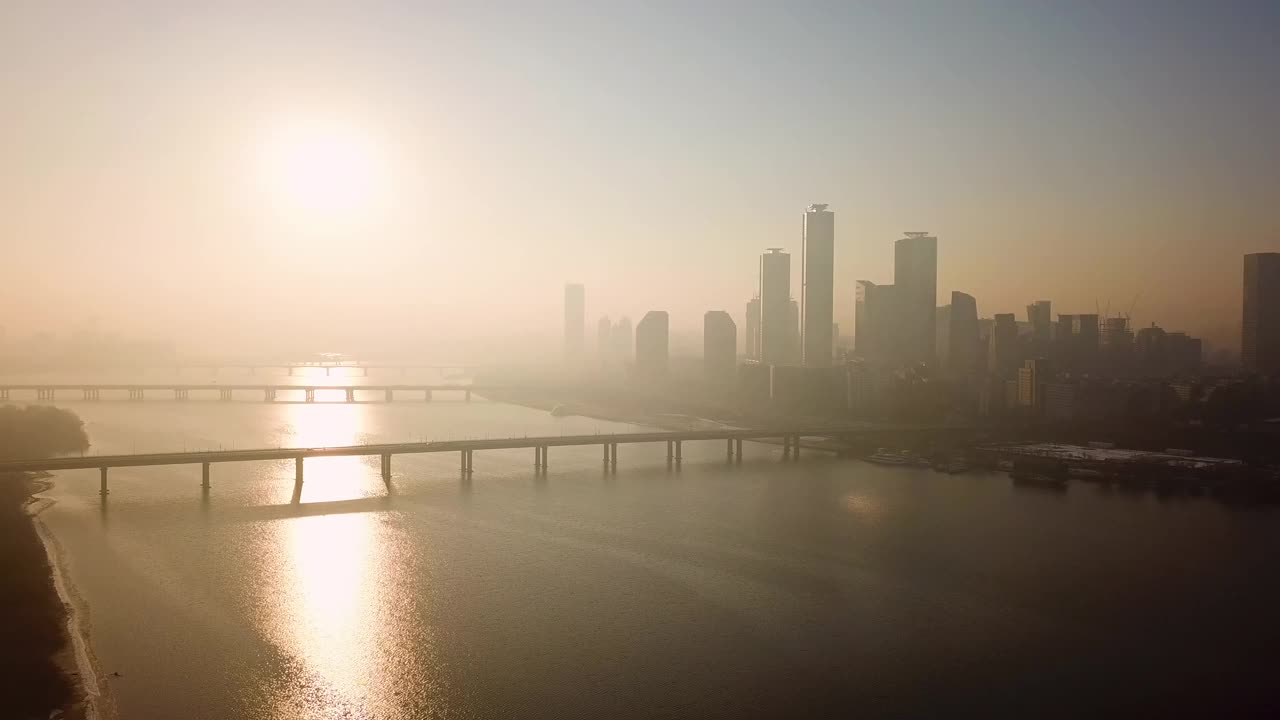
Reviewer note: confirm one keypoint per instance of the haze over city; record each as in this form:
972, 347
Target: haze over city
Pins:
609, 360
486, 155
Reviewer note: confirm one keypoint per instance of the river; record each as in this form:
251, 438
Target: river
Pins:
817, 588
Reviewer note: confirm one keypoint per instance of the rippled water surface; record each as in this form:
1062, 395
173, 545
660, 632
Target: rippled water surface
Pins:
817, 588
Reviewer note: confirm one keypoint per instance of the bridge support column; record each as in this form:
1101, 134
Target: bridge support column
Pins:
427, 397
737, 449
204, 475
466, 462
729, 449
224, 395
290, 371
326, 371
670, 452
268, 395
679, 445
795, 447
4, 394
786, 447
297, 470
468, 396
391, 394
613, 454
351, 395
102, 486
311, 394
386, 467
606, 453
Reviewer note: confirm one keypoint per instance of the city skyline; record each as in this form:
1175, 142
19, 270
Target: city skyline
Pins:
908, 140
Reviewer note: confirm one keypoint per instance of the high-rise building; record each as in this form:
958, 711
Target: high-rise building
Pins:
775, 307
622, 337
1003, 353
719, 346
793, 334
752, 351
942, 336
1117, 346
1260, 340
875, 331
915, 275
575, 320
817, 286
651, 344
1032, 377
962, 355
1040, 316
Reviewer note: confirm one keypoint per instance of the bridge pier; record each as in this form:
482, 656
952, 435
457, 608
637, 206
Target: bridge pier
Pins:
786, 447
91, 394
729, 449
679, 445
386, 467
670, 452
297, 470
4, 393
351, 395
224, 395
204, 475
391, 395
466, 462
311, 394
606, 454
427, 397
180, 394
468, 396
136, 393
795, 447
102, 485
268, 395
326, 371
613, 455
737, 445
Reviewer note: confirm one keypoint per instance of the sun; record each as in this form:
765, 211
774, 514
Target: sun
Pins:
321, 171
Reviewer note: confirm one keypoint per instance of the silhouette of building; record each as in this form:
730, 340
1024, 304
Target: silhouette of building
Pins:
652, 344
962, 336
1117, 346
752, 350
817, 286
775, 298
622, 337
915, 275
719, 346
1002, 354
575, 320
1260, 341
875, 331
942, 336
1032, 377
793, 334
1040, 317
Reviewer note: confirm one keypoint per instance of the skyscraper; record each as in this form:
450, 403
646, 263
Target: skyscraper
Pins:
575, 320
817, 285
876, 329
775, 302
719, 346
1260, 340
915, 275
962, 355
752, 350
793, 334
651, 344
1040, 316
1003, 353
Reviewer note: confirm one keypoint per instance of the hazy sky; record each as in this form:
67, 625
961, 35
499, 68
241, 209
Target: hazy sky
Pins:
479, 155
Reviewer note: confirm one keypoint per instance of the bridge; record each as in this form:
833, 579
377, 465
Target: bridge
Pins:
733, 439
327, 365
226, 392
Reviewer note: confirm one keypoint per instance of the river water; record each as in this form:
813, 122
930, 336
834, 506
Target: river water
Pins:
818, 588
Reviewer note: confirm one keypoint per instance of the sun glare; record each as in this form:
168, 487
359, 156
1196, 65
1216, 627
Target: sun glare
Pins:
322, 171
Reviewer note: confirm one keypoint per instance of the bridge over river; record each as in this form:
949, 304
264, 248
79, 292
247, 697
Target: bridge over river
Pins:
226, 391
733, 438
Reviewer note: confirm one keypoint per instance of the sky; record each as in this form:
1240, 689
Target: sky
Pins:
157, 175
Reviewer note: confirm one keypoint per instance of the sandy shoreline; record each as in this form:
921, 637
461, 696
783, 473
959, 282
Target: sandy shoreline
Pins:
76, 657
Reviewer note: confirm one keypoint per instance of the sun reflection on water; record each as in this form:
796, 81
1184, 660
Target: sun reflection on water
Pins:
325, 592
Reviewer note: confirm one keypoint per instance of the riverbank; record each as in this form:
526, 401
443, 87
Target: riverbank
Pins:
40, 676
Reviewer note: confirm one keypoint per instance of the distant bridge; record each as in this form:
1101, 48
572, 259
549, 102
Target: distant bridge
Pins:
733, 438
327, 365
226, 392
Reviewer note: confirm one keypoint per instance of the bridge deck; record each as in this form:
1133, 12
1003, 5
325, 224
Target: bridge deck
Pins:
239, 386
219, 456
